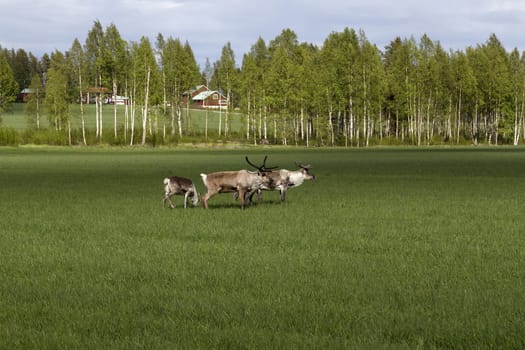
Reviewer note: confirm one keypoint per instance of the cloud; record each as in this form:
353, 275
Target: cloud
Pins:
43, 26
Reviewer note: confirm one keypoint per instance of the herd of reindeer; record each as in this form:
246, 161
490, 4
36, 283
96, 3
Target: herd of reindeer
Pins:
244, 184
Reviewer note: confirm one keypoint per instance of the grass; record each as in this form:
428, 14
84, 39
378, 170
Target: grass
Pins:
389, 248
18, 119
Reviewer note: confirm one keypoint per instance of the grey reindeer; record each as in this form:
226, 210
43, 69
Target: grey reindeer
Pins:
179, 185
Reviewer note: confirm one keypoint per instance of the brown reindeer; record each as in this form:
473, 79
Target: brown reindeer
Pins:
244, 182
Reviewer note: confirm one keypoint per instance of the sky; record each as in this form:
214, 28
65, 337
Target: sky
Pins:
43, 26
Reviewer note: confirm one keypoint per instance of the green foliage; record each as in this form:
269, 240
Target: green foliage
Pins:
8, 85
35, 104
345, 92
9, 137
388, 248
56, 99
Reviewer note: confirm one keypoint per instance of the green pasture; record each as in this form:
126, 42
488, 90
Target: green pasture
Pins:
387, 249
18, 119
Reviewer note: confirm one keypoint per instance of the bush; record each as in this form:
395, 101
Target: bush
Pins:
46, 137
9, 137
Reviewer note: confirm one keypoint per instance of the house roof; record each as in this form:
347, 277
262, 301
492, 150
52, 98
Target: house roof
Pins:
194, 89
205, 94
99, 90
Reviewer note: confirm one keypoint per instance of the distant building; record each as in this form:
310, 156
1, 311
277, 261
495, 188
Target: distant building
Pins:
191, 93
118, 100
24, 95
92, 92
210, 99
202, 97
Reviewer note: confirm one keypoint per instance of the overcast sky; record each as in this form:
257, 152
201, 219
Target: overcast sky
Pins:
42, 26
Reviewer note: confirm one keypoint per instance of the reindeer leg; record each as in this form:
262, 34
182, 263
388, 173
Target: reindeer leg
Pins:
168, 197
248, 196
186, 199
205, 201
242, 198
207, 196
283, 188
283, 194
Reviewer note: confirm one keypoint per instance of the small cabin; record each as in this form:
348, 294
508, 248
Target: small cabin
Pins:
210, 99
191, 93
24, 95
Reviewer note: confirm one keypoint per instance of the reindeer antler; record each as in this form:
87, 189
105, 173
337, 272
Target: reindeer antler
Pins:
300, 165
248, 161
263, 167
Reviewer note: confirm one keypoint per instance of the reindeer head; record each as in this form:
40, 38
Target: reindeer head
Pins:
305, 169
195, 198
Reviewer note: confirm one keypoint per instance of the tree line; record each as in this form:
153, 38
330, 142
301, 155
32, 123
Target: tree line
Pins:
346, 92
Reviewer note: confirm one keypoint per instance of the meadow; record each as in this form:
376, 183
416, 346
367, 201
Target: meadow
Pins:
18, 119
390, 248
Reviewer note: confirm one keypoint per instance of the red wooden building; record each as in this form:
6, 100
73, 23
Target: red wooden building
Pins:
202, 97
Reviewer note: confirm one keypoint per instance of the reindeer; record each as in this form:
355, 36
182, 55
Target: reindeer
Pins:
283, 179
243, 182
179, 185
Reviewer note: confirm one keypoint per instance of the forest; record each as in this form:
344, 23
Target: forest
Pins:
345, 92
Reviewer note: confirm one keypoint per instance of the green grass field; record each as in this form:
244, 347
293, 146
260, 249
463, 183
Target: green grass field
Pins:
18, 119
388, 249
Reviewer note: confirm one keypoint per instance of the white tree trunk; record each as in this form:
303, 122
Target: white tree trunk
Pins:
145, 109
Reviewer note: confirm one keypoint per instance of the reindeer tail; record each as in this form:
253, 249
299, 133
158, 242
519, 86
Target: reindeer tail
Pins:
204, 177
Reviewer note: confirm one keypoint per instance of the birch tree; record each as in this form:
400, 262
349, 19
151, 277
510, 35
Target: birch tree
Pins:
400, 63
77, 65
35, 103
181, 74
491, 69
145, 79
8, 85
340, 83
373, 83
463, 92
56, 101
207, 75
247, 90
225, 79
517, 76
114, 59
94, 60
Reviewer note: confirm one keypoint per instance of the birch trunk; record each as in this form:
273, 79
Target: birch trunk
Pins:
115, 107
97, 120
206, 126
82, 120
145, 109
132, 134
459, 117
179, 119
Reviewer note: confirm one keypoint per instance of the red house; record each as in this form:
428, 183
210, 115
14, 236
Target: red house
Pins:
24, 95
202, 97
210, 99
191, 93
